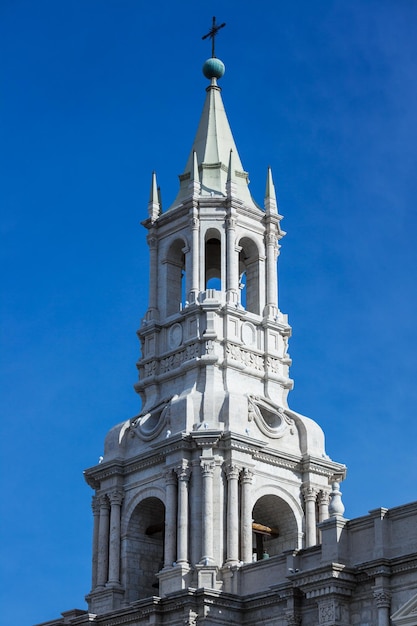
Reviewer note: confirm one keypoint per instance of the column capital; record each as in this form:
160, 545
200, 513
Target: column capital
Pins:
309, 492
95, 505
194, 222
115, 497
246, 476
183, 472
323, 496
231, 223
382, 598
170, 477
152, 240
271, 239
232, 471
103, 502
207, 467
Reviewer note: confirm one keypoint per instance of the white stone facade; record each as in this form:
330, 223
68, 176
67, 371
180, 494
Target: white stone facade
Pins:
218, 504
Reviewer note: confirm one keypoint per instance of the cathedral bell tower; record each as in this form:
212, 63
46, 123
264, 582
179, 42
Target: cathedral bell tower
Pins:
216, 474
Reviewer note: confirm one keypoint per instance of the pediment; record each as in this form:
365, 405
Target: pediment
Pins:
407, 614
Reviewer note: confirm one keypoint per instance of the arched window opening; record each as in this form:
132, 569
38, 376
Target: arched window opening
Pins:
145, 549
213, 264
249, 275
274, 527
176, 279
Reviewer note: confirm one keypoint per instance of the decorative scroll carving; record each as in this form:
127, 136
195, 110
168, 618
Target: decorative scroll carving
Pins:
270, 419
245, 357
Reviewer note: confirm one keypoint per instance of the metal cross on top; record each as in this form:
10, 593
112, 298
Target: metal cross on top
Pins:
212, 34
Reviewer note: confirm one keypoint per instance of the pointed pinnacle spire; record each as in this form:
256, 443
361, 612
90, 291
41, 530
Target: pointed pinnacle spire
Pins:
154, 206
231, 175
195, 184
270, 197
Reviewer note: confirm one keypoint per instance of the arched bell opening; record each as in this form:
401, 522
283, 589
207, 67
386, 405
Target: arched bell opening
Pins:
144, 549
274, 527
249, 275
175, 277
213, 260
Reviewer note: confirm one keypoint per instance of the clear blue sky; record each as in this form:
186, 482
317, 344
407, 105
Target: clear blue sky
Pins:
98, 93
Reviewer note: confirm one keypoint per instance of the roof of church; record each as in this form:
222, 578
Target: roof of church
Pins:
212, 145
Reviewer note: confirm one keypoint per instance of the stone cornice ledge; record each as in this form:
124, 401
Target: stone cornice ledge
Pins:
335, 578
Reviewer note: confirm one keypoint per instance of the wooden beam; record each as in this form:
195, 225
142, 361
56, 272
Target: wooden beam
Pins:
265, 530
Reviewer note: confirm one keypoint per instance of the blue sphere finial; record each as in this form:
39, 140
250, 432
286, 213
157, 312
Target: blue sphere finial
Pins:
213, 68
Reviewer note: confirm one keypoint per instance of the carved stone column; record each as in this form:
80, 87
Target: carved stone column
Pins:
271, 272
170, 518
153, 274
232, 473
183, 473
246, 519
103, 542
232, 261
310, 494
383, 602
116, 499
207, 472
323, 500
95, 505
195, 225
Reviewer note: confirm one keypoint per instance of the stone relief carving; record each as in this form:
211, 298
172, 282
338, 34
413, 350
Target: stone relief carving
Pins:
245, 357
175, 360
327, 613
273, 365
270, 419
150, 425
